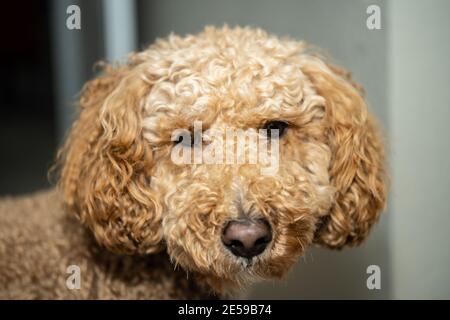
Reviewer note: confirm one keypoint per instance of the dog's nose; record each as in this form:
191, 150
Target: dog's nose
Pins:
247, 238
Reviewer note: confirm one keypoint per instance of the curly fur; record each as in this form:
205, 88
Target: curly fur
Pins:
39, 241
117, 175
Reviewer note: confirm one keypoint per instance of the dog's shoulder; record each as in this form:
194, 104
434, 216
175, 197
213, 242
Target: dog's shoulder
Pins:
29, 219
46, 253
33, 244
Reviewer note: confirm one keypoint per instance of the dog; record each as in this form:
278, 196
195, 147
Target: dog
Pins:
131, 223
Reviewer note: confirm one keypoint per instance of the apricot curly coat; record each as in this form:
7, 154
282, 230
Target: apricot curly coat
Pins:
155, 222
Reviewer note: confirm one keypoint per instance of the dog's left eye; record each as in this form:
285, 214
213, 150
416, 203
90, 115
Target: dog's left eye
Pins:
281, 126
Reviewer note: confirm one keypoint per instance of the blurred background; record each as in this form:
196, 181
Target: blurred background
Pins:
403, 66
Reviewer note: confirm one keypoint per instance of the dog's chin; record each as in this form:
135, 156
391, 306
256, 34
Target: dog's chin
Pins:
223, 267
251, 272
242, 272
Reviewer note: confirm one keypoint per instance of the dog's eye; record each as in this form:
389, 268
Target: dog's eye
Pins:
281, 126
187, 139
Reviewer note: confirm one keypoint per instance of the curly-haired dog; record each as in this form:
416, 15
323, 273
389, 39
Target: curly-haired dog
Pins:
198, 230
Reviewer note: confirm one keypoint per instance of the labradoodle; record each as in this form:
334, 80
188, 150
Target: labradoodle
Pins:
126, 221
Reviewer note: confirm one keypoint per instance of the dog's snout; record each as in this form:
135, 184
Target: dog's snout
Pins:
247, 238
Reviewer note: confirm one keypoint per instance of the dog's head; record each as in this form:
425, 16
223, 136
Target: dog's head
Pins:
225, 220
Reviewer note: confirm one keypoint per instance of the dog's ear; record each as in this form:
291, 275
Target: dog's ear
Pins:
105, 164
357, 168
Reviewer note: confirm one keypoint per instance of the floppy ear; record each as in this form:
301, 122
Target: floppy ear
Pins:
357, 169
106, 165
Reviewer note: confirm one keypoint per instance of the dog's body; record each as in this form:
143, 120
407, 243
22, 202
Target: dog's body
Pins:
40, 243
226, 224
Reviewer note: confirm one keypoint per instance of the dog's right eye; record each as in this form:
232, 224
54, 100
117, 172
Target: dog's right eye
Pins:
186, 139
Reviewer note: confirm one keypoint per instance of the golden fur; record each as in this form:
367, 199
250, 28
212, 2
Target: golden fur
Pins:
39, 241
118, 177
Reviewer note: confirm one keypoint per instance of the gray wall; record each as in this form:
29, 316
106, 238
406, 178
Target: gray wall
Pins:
74, 53
419, 115
339, 27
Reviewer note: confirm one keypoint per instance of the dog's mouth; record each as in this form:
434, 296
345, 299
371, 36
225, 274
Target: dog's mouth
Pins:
252, 265
253, 268
243, 251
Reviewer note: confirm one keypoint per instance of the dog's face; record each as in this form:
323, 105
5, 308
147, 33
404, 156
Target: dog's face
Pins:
229, 220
